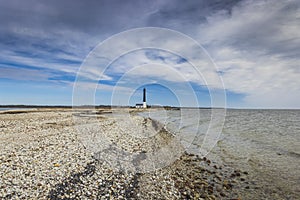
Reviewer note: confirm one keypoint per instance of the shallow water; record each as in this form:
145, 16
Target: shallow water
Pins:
266, 143
7, 108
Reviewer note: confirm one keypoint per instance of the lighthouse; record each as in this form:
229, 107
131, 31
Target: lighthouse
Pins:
144, 105
144, 98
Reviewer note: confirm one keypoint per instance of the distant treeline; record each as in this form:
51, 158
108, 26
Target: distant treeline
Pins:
53, 106
98, 106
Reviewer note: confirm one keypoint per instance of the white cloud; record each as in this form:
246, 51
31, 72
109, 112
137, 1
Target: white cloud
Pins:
257, 49
22, 74
255, 43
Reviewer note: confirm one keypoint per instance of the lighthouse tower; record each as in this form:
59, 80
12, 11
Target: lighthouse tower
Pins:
144, 98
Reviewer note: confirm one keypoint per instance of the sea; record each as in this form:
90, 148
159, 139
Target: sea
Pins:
265, 143
5, 109
15, 108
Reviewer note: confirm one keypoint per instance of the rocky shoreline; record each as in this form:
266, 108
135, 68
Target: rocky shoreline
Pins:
44, 155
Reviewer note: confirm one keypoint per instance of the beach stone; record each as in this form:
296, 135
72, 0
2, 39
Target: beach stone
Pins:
52, 162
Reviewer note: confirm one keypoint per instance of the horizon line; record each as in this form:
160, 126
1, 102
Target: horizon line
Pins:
130, 106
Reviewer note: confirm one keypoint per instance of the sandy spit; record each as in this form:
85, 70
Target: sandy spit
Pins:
81, 154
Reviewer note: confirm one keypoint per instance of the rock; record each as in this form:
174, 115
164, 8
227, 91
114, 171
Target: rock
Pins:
78, 174
56, 165
210, 189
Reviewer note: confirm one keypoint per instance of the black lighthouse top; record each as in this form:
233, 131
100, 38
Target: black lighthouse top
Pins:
144, 96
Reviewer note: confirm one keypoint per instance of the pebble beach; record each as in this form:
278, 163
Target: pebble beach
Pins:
50, 154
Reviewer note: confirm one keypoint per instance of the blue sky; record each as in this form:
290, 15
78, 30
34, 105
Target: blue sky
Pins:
253, 45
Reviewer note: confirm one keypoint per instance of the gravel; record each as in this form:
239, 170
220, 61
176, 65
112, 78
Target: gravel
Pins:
67, 154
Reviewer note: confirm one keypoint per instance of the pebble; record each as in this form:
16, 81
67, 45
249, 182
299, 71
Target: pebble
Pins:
47, 160
56, 165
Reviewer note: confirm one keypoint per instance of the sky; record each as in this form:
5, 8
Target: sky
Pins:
54, 53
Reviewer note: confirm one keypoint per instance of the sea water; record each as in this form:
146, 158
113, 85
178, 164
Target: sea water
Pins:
6, 109
266, 143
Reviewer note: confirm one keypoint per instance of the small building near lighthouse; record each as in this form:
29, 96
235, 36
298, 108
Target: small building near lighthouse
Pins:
144, 104
139, 105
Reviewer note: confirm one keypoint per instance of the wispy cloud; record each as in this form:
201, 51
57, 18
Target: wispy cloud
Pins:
255, 44
257, 48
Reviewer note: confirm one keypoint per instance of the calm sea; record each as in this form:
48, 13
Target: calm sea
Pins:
7, 109
266, 143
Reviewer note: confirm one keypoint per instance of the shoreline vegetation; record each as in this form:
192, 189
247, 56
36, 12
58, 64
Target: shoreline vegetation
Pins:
45, 156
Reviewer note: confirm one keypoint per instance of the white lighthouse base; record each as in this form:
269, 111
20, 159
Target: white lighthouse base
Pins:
144, 105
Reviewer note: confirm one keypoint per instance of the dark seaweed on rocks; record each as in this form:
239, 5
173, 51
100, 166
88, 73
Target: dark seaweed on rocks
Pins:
113, 184
191, 176
69, 184
188, 177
